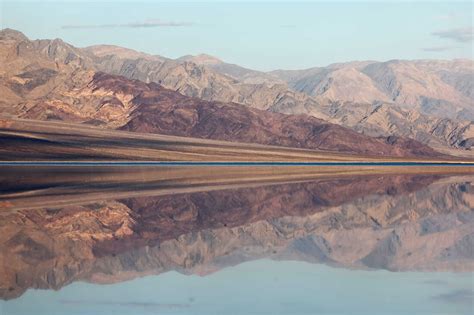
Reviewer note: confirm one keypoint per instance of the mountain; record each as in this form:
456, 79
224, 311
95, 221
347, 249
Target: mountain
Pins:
398, 223
344, 86
34, 70
157, 110
237, 72
210, 79
202, 59
51, 80
203, 81
121, 52
439, 88
116, 102
384, 119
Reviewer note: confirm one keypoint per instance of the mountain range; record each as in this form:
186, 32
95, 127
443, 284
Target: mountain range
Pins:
429, 102
73, 217
434, 102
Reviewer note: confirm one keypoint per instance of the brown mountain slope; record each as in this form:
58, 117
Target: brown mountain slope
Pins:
237, 72
439, 87
41, 71
251, 135
385, 119
77, 95
58, 89
341, 85
158, 110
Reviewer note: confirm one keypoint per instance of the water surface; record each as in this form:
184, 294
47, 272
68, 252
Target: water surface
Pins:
171, 240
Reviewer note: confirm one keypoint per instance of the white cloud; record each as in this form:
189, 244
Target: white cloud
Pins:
462, 35
144, 24
438, 48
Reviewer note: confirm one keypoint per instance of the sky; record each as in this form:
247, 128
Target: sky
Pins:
260, 287
264, 36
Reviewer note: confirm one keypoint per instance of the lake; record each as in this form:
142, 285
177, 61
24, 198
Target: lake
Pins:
182, 239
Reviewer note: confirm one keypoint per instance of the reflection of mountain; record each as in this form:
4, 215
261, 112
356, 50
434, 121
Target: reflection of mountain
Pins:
402, 222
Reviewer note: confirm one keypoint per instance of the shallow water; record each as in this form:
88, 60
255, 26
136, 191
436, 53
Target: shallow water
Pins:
261, 287
172, 241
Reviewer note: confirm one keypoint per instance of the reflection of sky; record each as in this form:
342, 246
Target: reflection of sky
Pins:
261, 287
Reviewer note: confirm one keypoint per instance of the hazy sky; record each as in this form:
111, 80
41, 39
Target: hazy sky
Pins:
265, 35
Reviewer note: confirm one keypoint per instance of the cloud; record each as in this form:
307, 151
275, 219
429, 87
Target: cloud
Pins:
461, 296
144, 24
437, 48
128, 304
461, 35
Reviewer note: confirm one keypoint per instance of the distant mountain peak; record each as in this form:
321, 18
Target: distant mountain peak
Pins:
201, 59
121, 52
8, 33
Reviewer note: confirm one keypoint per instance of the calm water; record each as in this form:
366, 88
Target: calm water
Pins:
261, 287
172, 241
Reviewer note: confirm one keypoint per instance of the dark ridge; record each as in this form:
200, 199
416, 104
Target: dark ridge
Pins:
163, 111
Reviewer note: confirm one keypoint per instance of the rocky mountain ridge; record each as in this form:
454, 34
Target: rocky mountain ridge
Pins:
445, 108
51, 80
206, 81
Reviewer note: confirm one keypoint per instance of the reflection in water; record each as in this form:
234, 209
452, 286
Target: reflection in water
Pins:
129, 226
260, 287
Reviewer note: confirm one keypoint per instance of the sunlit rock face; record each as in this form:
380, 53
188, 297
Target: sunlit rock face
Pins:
428, 101
398, 223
